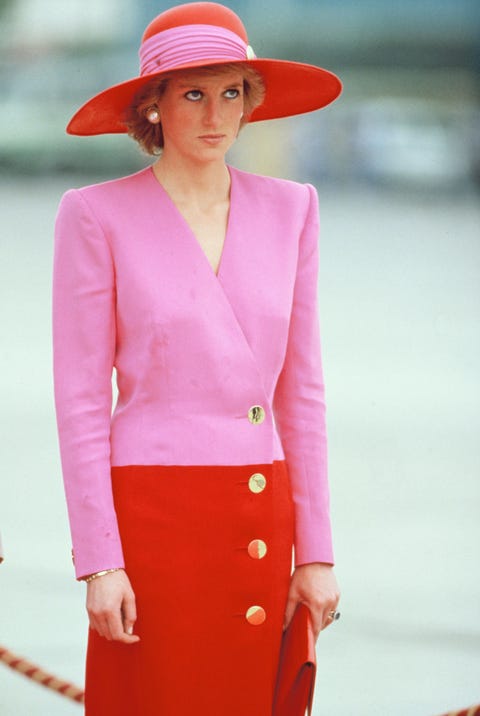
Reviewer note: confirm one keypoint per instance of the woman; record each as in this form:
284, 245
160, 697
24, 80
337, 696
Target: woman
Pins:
198, 283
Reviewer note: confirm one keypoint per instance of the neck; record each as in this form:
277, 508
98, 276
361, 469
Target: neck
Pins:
192, 181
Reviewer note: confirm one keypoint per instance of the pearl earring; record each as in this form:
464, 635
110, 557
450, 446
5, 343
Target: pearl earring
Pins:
153, 115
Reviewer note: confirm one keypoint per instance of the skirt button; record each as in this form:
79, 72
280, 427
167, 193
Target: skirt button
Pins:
255, 615
257, 482
257, 549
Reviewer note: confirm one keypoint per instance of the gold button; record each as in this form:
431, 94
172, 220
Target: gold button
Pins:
257, 549
255, 615
256, 414
257, 482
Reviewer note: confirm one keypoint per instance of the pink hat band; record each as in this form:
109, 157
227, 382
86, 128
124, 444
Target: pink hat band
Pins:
191, 44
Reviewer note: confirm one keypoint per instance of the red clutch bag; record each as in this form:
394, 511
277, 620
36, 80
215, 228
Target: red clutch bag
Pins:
297, 667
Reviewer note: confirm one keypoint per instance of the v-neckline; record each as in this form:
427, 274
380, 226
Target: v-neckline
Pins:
188, 229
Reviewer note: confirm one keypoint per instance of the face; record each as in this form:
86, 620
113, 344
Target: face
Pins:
201, 114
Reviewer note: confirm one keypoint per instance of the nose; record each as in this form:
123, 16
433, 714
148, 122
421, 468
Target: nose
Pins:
212, 115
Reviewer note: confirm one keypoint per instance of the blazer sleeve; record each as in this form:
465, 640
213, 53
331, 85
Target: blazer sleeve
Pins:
83, 323
299, 404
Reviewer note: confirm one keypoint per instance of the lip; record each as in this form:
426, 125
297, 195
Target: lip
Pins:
212, 138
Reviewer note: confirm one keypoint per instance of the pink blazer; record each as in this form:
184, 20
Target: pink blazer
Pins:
192, 350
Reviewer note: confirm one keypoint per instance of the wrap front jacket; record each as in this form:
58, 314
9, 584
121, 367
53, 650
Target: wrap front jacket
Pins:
193, 350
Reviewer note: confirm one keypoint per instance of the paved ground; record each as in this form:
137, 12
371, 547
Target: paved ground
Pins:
400, 319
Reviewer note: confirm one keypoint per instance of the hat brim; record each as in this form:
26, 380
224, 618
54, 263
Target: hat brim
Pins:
291, 88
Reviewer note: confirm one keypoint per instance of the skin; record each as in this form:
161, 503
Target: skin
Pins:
200, 116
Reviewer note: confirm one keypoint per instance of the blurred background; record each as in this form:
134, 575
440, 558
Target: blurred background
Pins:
396, 161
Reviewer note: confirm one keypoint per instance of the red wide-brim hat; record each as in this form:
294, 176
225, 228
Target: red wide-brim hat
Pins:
199, 34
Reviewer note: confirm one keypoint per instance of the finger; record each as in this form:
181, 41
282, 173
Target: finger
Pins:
317, 624
128, 639
327, 622
329, 615
103, 621
129, 614
317, 613
115, 623
103, 629
100, 624
95, 623
116, 630
97, 620
92, 620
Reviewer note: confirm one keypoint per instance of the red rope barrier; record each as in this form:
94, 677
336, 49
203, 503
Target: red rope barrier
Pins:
471, 711
36, 673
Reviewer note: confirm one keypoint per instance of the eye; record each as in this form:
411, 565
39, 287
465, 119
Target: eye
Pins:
232, 93
193, 95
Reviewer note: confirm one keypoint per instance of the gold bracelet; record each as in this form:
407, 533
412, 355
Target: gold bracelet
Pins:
91, 577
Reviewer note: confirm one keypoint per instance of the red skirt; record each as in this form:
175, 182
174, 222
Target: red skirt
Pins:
208, 550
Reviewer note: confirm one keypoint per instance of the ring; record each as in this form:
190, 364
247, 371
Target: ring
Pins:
334, 615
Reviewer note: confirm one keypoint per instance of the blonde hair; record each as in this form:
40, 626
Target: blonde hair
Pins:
150, 136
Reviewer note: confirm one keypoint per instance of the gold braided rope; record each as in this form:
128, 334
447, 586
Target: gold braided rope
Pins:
36, 673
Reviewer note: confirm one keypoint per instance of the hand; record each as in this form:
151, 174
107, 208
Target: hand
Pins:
316, 586
111, 607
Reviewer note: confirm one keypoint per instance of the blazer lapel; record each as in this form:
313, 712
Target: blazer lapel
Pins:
217, 292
